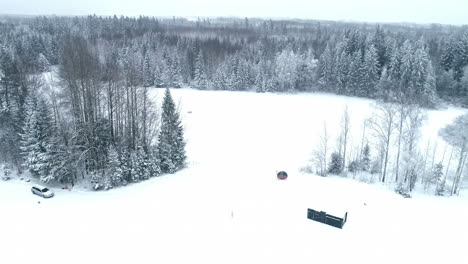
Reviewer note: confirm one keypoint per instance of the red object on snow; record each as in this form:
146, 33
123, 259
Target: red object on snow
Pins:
282, 175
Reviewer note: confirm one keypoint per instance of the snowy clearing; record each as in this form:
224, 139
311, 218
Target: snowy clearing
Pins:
228, 206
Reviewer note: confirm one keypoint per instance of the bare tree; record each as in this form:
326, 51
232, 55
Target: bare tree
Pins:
345, 123
320, 154
401, 116
448, 163
363, 138
455, 135
414, 120
382, 124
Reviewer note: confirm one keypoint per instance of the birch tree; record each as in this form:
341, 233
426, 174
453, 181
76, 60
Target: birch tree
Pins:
382, 124
455, 134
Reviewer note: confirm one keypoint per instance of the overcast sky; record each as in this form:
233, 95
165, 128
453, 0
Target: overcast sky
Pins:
418, 11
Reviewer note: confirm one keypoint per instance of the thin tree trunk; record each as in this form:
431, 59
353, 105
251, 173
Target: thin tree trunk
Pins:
400, 129
457, 173
448, 163
386, 160
425, 161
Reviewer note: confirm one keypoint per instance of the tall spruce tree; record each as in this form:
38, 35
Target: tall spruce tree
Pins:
171, 148
200, 79
371, 72
148, 72
36, 138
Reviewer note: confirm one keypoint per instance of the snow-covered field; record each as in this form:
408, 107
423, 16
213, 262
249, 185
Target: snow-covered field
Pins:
228, 207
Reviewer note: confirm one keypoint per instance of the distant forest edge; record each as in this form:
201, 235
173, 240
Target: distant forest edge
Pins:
376, 61
103, 128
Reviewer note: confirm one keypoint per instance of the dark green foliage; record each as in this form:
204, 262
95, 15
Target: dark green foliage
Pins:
200, 80
114, 172
376, 167
354, 166
154, 168
171, 146
336, 164
35, 139
103, 62
365, 162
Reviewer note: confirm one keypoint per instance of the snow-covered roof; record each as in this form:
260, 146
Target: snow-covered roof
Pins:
39, 186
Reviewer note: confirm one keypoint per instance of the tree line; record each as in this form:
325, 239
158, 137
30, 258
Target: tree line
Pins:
389, 150
106, 65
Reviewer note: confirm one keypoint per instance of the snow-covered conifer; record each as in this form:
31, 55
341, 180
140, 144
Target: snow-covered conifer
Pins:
171, 146
200, 80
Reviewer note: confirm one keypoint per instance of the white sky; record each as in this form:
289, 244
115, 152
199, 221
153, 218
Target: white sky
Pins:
418, 11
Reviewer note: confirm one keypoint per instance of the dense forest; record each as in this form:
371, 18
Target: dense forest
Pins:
103, 128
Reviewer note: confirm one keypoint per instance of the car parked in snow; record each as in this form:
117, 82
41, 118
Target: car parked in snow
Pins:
42, 191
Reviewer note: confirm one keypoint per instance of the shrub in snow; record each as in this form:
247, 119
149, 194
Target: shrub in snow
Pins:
6, 172
114, 172
439, 179
375, 167
336, 164
365, 162
354, 166
43, 63
97, 181
154, 168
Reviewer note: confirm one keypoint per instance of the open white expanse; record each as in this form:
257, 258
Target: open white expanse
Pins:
228, 207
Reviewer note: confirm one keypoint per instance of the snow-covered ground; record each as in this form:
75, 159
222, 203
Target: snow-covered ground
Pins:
228, 207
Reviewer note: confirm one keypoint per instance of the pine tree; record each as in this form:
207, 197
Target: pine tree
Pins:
171, 148
148, 77
448, 55
336, 164
365, 162
354, 166
154, 168
429, 93
36, 138
142, 164
6, 171
200, 80
305, 72
355, 76
439, 178
259, 82
406, 81
159, 76
379, 42
464, 80
345, 68
176, 75
371, 72
43, 62
126, 166
446, 84
219, 79
134, 170
115, 172
326, 69
61, 161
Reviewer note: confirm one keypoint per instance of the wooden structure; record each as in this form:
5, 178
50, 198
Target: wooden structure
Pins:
323, 217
